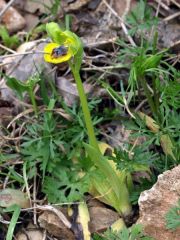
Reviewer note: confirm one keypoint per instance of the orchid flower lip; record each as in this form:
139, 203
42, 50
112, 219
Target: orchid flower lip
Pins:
64, 46
56, 53
59, 51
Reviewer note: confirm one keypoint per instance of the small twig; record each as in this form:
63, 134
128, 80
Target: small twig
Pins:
158, 7
7, 179
104, 52
8, 5
8, 63
60, 215
140, 105
21, 54
44, 235
7, 49
131, 153
163, 5
104, 68
176, 61
157, 12
6, 138
26, 183
34, 200
176, 3
127, 107
122, 23
173, 57
171, 17
95, 57
126, 10
97, 44
175, 44
20, 115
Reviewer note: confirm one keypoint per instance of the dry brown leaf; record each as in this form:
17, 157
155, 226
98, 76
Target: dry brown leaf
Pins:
124, 6
75, 5
9, 197
165, 140
38, 6
68, 90
167, 145
150, 122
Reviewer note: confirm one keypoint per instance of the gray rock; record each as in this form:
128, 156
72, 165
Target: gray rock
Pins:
156, 202
24, 67
12, 18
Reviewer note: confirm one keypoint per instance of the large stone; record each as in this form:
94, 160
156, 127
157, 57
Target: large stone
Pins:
100, 219
25, 66
52, 223
156, 202
12, 18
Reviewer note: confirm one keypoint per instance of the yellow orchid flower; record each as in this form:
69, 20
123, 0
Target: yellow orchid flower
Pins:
55, 53
65, 44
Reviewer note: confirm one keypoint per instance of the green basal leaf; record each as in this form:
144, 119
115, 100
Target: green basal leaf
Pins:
104, 189
17, 85
118, 185
16, 212
9, 41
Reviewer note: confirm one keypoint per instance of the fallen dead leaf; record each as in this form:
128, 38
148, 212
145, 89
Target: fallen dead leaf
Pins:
167, 145
124, 6
9, 197
6, 115
31, 21
68, 90
75, 5
165, 140
150, 122
40, 6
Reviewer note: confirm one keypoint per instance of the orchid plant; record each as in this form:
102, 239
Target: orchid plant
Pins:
67, 47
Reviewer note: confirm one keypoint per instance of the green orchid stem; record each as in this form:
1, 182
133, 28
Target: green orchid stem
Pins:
33, 101
148, 95
156, 100
85, 108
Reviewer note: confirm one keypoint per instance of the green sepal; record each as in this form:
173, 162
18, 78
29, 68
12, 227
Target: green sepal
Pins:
55, 33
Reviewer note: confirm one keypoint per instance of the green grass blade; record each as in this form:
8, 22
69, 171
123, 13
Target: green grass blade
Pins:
13, 222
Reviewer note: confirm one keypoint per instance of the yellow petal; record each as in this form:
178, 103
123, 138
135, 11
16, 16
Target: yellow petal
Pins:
48, 49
